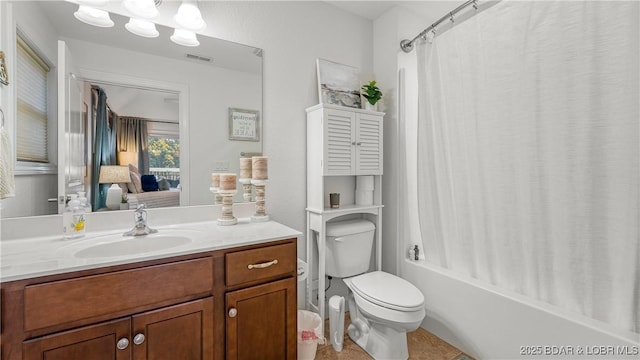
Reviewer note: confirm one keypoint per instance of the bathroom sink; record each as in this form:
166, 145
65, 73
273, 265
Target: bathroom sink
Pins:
133, 245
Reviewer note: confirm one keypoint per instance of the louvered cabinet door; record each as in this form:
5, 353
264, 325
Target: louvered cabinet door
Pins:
368, 144
339, 148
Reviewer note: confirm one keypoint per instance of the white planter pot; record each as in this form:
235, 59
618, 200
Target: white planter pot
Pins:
369, 107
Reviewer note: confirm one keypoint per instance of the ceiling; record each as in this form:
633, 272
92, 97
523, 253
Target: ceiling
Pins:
430, 10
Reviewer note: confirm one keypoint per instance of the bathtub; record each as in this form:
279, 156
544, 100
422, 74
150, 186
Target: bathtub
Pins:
490, 323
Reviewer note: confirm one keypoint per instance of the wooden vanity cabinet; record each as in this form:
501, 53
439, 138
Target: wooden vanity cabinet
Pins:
172, 308
175, 332
261, 312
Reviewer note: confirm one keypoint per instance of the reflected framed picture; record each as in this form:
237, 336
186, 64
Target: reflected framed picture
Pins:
244, 125
4, 73
338, 84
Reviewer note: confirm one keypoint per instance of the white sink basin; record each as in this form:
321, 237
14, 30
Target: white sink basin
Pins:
133, 245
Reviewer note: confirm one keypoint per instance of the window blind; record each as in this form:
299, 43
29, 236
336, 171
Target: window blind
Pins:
31, 85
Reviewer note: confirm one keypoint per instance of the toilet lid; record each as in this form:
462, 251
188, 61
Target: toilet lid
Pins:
388, 290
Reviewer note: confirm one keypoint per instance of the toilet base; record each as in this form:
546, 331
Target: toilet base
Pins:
381, 342
378, 340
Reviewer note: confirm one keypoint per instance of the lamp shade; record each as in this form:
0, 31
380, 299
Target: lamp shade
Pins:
189, 16
145, 9
128, 157
110, 174
184, 37
142, 28
93, 16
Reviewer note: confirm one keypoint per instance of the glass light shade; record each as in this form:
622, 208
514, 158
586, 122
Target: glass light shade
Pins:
145, 9
185, 38
189, 16
93, 16
110, 174
142, 28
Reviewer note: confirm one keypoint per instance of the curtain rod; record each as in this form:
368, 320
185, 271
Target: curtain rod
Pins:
407, 45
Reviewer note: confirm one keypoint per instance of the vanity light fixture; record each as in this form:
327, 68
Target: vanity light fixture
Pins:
142, 28
145, 9
185, 38
93, 16
189, 16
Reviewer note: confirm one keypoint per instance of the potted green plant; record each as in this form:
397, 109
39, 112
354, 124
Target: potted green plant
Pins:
372, 93
124, 202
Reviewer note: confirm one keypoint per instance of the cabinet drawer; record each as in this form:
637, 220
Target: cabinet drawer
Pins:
115, 293
260, 264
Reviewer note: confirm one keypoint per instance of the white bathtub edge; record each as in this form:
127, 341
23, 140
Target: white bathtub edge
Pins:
489, 323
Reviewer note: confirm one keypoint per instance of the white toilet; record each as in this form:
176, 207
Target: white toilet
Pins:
382, 307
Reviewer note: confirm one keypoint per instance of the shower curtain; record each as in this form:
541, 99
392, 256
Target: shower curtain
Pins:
528, 158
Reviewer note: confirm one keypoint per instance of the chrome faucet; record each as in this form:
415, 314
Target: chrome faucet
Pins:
141, 227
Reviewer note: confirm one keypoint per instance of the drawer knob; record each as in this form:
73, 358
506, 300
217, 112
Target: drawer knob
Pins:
123, 343
262, 265
233, 312
138, 339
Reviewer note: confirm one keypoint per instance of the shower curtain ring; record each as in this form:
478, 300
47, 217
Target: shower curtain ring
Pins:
475, 4
451, 18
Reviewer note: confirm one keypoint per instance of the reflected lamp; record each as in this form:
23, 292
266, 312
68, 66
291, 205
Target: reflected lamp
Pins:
114, 175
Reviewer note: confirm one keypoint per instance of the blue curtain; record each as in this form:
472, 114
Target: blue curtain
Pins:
104, 150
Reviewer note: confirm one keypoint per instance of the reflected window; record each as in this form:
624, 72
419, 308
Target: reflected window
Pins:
164, 151
31, 85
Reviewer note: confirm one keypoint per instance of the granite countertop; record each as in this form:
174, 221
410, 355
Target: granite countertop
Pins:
40, 256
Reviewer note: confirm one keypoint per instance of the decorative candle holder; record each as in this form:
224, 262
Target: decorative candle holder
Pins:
260, 215
217, 198
227, 217
246, 189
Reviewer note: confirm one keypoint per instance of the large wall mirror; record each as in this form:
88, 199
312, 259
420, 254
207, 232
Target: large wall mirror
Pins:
180, 96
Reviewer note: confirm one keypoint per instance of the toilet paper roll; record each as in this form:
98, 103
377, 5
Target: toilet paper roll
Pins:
364, 183
364, 197
302, 270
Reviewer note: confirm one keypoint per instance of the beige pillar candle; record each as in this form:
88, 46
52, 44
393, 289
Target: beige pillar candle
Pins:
259, 167
215, 180
227, 181
245, 168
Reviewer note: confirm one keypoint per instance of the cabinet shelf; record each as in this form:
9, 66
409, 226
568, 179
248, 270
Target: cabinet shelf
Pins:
342, 144
346, 209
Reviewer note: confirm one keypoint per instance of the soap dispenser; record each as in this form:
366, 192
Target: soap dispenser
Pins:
84, 202
73, 219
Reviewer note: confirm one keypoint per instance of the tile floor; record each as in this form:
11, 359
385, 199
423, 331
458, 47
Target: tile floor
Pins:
422, 346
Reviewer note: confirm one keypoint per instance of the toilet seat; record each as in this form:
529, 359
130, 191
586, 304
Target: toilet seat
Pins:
389, 291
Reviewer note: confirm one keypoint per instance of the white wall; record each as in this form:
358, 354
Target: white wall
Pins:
292, 35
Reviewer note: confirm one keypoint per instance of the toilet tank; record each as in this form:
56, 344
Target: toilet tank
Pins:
348, 247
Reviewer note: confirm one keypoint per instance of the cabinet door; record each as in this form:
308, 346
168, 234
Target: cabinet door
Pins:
339, 150
95, 342
368, 144
261, 321
182, 332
